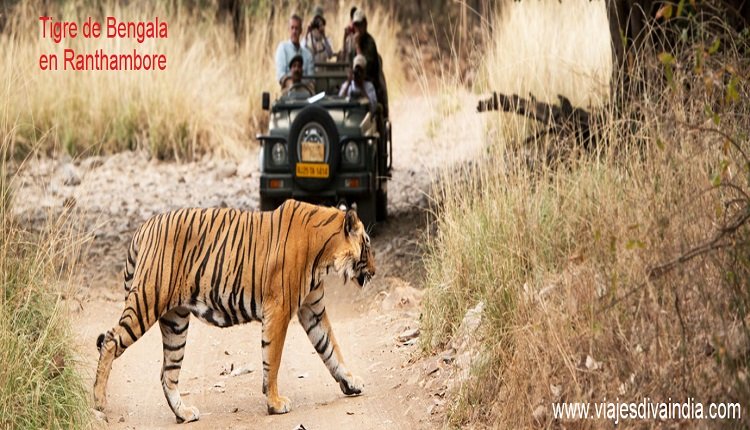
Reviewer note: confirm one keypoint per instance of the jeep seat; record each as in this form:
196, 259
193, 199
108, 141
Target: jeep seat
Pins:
330, 76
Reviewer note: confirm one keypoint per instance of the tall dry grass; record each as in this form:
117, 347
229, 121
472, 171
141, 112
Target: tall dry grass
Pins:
562, 250
208, 99
40, 386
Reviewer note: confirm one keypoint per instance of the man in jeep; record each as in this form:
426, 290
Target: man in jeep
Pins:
292, 83
358, 86
364, 44
292, 47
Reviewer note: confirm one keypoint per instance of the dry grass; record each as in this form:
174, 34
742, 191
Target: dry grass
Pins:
40, 386
208, 99
560, 250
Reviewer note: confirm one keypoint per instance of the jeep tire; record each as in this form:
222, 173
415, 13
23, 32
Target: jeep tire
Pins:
314, 114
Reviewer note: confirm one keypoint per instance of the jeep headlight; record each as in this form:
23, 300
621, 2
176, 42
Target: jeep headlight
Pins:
278, 154
351, 152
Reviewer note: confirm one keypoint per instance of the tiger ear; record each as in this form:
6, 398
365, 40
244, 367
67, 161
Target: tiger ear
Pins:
350, 222
341, 205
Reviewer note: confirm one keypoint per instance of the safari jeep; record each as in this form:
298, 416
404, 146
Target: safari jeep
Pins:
326, 149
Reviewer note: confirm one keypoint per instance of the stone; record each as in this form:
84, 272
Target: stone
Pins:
408, 335
68, 175
403, 296
225, 171
539, 413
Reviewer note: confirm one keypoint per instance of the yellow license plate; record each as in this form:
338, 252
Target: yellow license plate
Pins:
312, 170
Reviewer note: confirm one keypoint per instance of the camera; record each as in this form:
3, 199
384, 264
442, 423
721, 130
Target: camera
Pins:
317, 22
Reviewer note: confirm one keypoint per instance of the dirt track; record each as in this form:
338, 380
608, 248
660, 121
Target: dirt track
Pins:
113, 195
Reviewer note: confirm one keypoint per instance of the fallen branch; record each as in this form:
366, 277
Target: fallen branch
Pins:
557, 118
721, 240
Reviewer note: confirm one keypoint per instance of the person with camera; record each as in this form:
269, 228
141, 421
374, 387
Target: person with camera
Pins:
364, 44
348, 51
316, 40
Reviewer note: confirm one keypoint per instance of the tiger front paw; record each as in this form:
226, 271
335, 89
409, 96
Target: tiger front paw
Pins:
279, 405
187, 414
352, 385
100, 401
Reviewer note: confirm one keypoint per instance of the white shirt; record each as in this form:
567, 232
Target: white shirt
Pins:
351, 86
284, 54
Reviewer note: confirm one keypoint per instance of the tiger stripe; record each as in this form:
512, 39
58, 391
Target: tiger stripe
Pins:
227, 267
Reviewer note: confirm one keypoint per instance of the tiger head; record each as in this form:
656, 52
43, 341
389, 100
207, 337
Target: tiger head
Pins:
355, 260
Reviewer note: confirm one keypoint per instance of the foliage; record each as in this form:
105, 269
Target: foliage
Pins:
40, 386
616, 272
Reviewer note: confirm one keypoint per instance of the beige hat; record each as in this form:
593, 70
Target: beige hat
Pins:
360, 61
359, 16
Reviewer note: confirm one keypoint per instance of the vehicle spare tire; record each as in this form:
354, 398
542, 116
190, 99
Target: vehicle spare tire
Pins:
314, 125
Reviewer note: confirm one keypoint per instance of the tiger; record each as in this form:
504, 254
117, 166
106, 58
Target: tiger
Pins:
229, 266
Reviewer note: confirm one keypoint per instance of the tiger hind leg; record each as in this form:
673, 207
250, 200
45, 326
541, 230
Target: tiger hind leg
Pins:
132, 325
174, 326
313, 318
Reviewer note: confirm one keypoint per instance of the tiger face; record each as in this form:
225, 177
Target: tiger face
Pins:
357, 262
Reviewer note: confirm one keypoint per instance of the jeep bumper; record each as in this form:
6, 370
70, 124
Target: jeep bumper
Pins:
282, 186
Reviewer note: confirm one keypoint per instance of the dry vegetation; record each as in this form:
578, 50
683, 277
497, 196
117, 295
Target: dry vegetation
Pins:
612, 273
208, 99
40, 386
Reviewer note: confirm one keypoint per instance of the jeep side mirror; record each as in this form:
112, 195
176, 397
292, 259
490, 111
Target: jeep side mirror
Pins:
265, 100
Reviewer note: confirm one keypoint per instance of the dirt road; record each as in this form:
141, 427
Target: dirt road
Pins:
392, 398
112, 195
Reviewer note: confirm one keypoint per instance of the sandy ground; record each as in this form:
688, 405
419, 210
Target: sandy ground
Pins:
110, 196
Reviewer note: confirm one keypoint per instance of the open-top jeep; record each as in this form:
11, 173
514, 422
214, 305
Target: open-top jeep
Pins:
325, 149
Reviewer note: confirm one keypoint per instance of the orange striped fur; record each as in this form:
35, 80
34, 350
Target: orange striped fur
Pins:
227, 267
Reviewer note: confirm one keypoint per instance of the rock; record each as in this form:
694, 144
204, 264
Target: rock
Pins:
242, 370
539, 413
99, 415
466, 334
302, 375
467, 343
121, 420
219, 387
592, 364
225, 171
402, 296
432, 369
408, 335
68, 175
556, 391
225, 371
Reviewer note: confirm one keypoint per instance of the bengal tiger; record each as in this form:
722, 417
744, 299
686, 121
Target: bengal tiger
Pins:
227, 267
